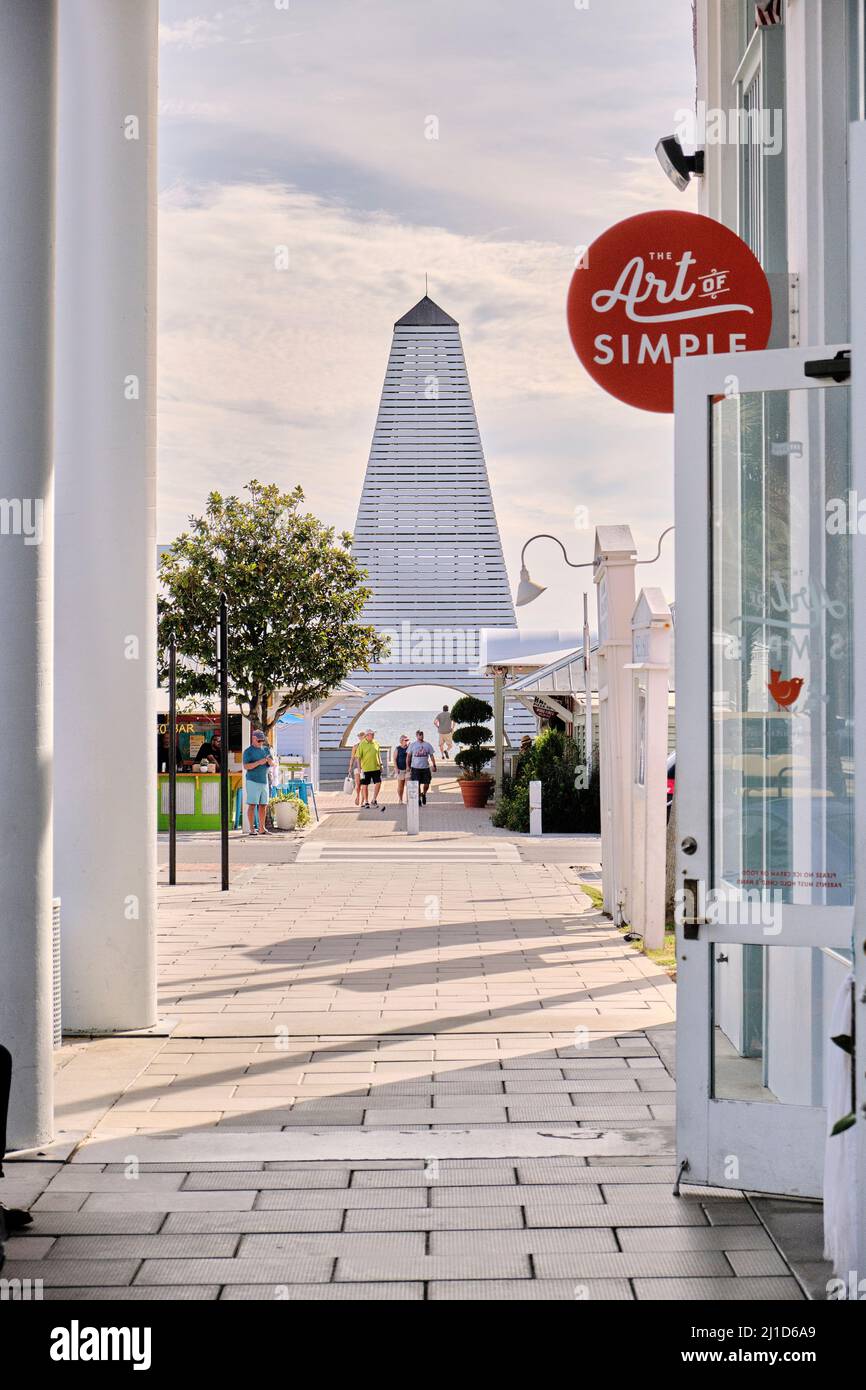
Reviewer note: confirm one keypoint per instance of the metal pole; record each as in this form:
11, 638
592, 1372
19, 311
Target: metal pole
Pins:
587, 687
172, 763
224, 740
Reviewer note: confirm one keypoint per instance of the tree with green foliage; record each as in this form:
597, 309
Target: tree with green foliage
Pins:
295, 596
470, 713
553, 760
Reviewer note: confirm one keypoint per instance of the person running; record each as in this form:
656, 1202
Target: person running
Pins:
421, 760
370, 758
401, 764
355, 772
445, 724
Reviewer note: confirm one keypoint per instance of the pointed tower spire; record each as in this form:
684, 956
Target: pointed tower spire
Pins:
426, 530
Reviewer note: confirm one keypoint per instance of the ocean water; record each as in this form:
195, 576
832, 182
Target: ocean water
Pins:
389, 724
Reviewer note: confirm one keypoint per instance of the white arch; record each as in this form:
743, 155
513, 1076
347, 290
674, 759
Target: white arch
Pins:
359, 713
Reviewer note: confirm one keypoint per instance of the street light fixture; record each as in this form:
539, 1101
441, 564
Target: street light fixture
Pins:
678, 165
527, 589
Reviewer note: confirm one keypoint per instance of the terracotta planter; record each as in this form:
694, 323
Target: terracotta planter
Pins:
476, 793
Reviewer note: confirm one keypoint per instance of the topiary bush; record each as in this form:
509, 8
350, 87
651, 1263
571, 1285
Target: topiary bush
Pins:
553, 761
473, 735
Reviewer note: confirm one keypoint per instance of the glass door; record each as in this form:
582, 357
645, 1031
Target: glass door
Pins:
766, 518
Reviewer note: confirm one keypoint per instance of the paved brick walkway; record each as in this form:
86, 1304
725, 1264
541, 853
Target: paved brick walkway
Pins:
386, 1071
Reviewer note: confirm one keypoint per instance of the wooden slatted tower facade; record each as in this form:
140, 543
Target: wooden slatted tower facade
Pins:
426, 530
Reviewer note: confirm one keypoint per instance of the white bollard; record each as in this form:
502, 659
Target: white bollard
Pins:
535, 808
413, 808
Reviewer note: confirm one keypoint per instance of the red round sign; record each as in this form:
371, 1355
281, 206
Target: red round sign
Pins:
659, 286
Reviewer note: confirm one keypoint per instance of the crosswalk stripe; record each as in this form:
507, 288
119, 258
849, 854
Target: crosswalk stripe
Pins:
313, 852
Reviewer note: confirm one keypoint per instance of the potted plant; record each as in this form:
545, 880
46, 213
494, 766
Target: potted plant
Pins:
469, 714
288, 810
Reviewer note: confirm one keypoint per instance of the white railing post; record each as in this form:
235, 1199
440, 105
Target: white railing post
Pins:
614, 579
650, 672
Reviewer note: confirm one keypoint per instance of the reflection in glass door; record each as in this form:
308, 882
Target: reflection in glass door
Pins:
764, 760
781, 731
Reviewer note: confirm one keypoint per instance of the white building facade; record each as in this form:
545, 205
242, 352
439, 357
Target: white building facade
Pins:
769, 451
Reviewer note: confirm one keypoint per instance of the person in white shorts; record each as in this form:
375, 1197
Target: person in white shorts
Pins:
401, 764
355, 772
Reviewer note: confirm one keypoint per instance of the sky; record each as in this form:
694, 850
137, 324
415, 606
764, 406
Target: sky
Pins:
302, 201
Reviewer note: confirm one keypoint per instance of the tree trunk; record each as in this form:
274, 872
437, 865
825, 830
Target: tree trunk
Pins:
269, 723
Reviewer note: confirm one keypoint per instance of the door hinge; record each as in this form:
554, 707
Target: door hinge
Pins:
794, 310
836, 368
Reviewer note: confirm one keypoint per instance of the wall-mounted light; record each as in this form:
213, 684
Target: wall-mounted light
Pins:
678, 165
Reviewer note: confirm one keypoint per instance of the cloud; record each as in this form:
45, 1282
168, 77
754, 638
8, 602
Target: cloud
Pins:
277, 373
195, 32
305, 130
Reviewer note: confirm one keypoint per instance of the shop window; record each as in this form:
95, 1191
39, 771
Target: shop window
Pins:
759, 86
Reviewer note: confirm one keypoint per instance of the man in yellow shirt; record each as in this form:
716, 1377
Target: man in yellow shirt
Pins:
370, 763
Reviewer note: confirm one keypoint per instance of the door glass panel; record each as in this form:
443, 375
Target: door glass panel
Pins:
783, 519
772, 1007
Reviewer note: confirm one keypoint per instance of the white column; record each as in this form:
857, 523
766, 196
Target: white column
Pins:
314, 747
858, 482
27, 122
308, 734
614, 579
650, 668
499, 673
105, 856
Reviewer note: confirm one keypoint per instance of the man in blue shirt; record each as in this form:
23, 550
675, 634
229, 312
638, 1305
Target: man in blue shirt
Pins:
421, 759
257, 760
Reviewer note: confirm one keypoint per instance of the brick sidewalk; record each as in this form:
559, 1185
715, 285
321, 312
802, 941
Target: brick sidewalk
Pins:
387, 1081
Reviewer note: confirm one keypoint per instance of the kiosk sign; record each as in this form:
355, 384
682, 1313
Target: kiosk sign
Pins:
659, 286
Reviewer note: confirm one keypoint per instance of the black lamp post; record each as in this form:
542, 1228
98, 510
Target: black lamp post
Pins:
223, 677
172, 763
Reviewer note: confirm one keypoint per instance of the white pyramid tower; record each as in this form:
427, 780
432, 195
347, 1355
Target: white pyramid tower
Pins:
426, 531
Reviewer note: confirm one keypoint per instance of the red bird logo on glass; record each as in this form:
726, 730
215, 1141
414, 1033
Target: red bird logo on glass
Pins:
784, 692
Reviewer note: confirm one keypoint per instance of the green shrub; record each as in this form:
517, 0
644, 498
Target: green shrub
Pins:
469, 713
553, 761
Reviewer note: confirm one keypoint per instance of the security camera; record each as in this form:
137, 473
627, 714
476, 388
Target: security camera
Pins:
678, 165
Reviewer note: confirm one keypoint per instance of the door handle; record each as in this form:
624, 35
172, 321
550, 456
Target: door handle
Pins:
693, 902
721, 958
